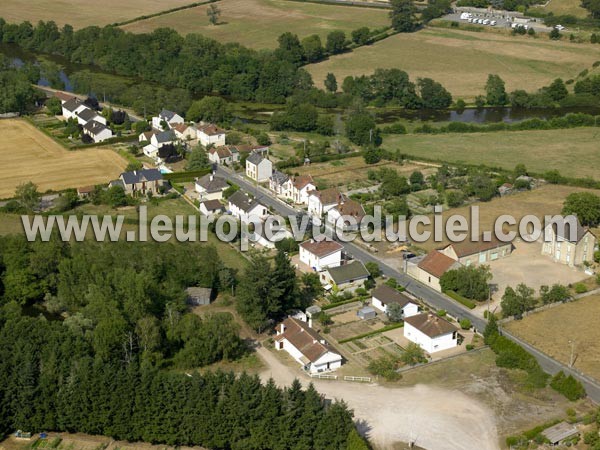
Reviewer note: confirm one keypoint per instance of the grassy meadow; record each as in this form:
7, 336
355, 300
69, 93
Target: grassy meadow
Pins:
573, 152
258, 23
462, 60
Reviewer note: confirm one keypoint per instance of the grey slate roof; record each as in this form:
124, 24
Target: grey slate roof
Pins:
72, 105
138, 176
354, 270
215, 185
165, 136
242, 201
166, 114
94, 127
279, 177
87, 114
559, 432
565, 234
387, 295
255, 159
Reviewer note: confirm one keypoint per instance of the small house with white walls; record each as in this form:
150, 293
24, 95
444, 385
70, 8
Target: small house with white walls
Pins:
168, 117
184, 132
384, 296
258, 168
211, 207
298, 188
88, 115
157, 141
430, 332
346, 215
71, 107
210, 134
97, 131
223, 155
320, 255
306, 346
319, 202
346, 277
210, 187
246, 209
278, 182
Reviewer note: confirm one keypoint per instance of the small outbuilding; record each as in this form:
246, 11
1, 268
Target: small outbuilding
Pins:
366, 313
198, 296
559, 433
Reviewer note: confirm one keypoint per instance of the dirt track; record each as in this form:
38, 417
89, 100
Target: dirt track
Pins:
434, 418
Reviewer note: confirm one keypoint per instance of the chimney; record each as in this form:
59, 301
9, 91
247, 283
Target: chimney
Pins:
282, 329
212, 177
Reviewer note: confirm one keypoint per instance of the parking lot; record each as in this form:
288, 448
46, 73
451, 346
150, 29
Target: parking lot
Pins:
503, 19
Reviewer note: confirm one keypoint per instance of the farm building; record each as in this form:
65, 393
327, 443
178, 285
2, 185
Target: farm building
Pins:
430, 332
430, 269
560, 432
366, 312
306, 346
477, 252
347, 276
384, 296
198, 296
570, 247
320, 255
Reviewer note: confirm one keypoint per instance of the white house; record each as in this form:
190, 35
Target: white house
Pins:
346, 277
87, 115
430, 332
184, 132
210, 187
346, 215
570, 244
223, 155
169, 117
277, 183
258, 168
306, 346
97, 131
157, 141
211, 207
319, 202
210, 134
298, 188
245, 209
320, 255
385, 295
71, 107
269, 242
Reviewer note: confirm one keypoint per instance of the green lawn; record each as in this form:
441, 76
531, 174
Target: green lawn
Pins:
573, 152
258, 23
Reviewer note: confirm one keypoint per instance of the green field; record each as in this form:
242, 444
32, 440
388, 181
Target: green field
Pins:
562, 7
573, 152
462, 60
258, 23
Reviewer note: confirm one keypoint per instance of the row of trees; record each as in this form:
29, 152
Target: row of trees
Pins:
16, 93
517, 301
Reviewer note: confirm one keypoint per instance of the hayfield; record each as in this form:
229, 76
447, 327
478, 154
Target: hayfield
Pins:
258, 23
30, 155
462, 60
552, 329
562, 7
82, 13
573, 152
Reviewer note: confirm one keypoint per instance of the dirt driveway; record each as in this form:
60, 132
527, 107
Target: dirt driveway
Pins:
435, 418
527, 265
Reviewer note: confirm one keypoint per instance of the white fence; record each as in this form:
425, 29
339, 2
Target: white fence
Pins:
359, 379
323, 376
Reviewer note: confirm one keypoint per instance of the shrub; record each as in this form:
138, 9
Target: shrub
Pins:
465, 324
460, 299
580, 288
386, 367
567, 386
470, 347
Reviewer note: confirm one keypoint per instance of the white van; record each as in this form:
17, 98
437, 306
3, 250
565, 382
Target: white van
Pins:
493, 23
486, 21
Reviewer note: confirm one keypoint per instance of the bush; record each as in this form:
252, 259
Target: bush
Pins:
567, 386
460, 299
386, 367
580, 288
470, 347
465, 324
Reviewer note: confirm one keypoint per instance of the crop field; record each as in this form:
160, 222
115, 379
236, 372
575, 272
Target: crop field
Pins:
552, 329
82, 13
258, 23
573, 152
462, 60
30, 155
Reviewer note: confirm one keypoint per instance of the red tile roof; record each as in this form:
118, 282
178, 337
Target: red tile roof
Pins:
301, 181
430, 324
321, 248
436, 263
304, 338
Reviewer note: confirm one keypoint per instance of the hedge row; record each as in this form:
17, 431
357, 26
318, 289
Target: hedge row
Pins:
374, 332
460, 299
296, 162
161, 13
336, 304
567, 386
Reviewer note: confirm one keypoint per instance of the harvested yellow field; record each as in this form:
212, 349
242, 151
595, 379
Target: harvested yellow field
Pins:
462, 60
552, 330
82, 13
30, 155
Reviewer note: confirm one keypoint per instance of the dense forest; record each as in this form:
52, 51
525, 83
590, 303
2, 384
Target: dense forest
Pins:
96, 338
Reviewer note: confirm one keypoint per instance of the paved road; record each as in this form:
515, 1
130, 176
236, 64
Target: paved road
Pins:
422, 292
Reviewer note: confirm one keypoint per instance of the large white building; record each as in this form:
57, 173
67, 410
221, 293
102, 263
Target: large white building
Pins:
210, 134
320, 255
306, 346
430, 332
258, 168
